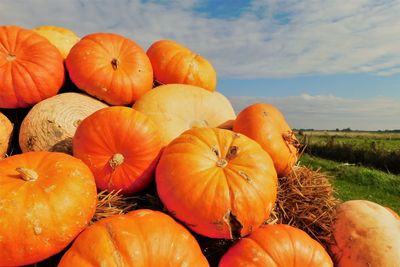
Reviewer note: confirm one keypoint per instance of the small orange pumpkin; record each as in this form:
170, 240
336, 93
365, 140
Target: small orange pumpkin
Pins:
110, 67
31, 68
121, 147
141, 238
277, 245
219, 183
174, 63
265, 124
46, 200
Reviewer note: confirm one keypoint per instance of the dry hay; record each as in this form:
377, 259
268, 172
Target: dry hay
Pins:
306, 200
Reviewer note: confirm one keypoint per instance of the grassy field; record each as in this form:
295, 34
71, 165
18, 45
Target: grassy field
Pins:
357, 182
378, 150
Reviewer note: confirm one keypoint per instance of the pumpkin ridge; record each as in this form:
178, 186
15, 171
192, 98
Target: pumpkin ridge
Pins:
257, 244
33, 84
116, 254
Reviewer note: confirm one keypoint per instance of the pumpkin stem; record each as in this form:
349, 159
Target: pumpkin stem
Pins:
114, 63
11, 57
222, 163
116, 160
27, 174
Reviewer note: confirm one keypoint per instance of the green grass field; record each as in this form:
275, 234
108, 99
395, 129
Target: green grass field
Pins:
357, 182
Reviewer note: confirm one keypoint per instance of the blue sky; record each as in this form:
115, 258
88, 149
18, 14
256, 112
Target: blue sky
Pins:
325, 64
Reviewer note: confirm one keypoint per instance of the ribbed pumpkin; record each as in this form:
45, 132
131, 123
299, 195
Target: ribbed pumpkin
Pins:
31, 68
51, 123
111, 67
46, 200
142, 238
219, 183
279, 246
121, 147
62, 38
6, 129
176, 108
265, 124
174, 63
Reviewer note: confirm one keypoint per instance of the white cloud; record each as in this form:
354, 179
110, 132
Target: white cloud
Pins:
331, 112
271, 39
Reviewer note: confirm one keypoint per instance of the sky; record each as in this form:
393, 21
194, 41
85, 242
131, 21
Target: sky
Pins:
324, 64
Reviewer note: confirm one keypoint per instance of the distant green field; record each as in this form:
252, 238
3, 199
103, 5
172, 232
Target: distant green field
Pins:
356, 182
378, 150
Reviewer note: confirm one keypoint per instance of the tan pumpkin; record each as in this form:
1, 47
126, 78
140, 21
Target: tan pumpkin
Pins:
366, 234
62, 38
176, 108
6, 129
51, 123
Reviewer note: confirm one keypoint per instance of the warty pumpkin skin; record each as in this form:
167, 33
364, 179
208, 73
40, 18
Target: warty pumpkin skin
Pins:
51, 123
174, 63
276, 245
265, 124
121, 146
62, 38
141, 238
219, 183
31, 68
6, 129
46, 200
365, 234
110, 67
176, 108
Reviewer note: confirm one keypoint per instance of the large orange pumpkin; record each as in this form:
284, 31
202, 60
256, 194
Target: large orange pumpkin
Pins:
277, 245
174, 63
221, 184
46, 200
6, 129
111, 67
62, 38
142, 238
265, 124
31, 69
121, 146
176, 108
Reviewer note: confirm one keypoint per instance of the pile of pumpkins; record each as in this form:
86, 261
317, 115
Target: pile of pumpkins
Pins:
216, 173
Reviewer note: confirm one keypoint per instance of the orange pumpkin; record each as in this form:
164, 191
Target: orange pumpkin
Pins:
121, 147
221, 184
265, 124
142, 238
174, 63
6, 129
31, 69
277, 245
110, 67
46, 200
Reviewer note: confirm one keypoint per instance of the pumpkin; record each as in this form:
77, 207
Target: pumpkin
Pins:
176, 108
141, 238
62, 38
46, 200
277, 245
110, 67
6, 129
365, 234
219, 183
121, 146
51, 123
265, 124
174, 63
31, 69
393, 212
